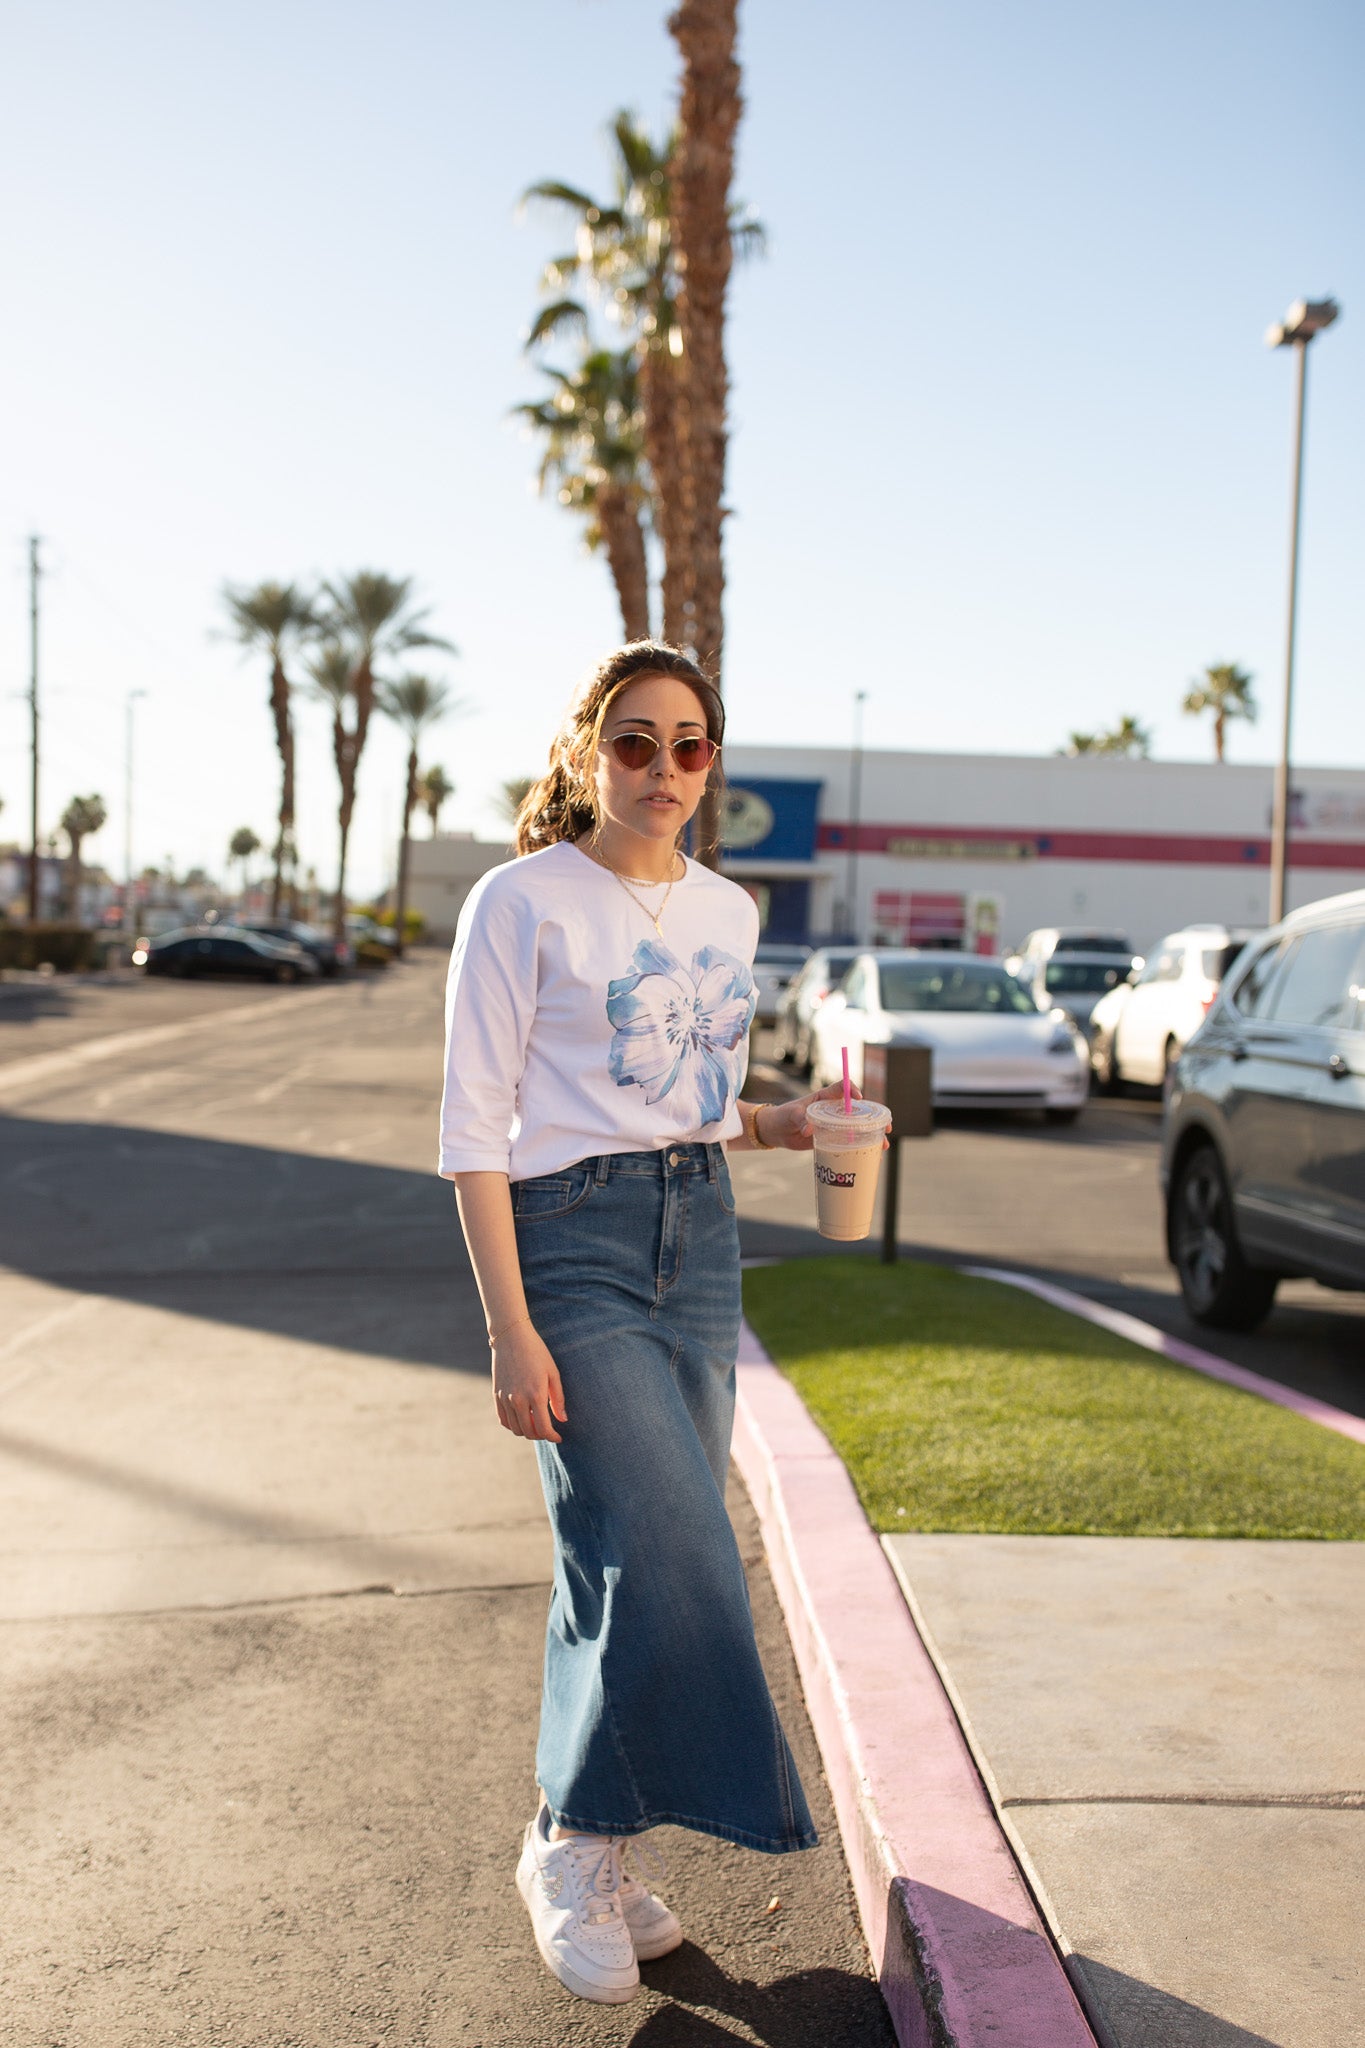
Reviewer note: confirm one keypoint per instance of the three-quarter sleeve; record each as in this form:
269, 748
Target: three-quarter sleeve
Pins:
490, 1007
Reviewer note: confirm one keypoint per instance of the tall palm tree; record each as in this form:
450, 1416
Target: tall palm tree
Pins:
704, 31
275, 617
1225, 690
434, 788
413, 702
363, 619
82, 817
624, 253
241, 846
511, 796
592, 457
1129, 737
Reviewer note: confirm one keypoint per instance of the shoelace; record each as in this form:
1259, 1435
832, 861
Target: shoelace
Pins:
650, 1867
596, 1865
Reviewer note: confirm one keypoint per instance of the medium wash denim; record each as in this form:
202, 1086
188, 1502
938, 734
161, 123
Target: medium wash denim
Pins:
655, 1708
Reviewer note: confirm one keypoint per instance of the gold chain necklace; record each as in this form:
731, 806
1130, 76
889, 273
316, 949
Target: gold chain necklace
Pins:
655, 916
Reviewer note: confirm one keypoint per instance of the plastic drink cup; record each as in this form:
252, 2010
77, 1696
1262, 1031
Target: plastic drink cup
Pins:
848, 1165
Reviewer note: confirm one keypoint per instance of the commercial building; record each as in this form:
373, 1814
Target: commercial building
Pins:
975, 850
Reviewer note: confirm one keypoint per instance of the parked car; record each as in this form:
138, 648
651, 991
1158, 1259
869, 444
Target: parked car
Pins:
1066, 938
372, 945
993, 1047
775, 967
802, 997
1263, 1142
1138, 1032
1075, 982
226, 950
331, 954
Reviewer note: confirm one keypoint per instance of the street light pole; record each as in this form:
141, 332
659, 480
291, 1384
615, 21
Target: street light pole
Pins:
1303, 320
33, 868
129, 933
855, 811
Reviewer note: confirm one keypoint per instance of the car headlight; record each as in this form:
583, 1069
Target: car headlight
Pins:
1063, 1039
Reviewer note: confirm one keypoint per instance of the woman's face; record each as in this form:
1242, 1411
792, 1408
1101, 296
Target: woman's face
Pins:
656, 801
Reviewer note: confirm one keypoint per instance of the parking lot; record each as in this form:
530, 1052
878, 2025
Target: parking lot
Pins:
1081, 1205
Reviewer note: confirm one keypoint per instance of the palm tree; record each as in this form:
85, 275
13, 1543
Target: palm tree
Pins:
413, 702
241, 846
592, 431
364, 619
1225, 690
434, 788
1129, 737
273, 617
704, 31
82, 817
624, 253
512, 796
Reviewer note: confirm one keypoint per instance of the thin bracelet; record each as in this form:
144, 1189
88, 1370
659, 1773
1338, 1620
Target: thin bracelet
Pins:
761, 1143
495, 1335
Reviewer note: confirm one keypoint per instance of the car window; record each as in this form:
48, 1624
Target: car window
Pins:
1255, 992
1321, 982
1163, 966
855, 987
1092, 942
1080, 977
936, 985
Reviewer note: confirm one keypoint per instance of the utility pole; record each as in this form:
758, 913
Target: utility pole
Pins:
855, 812
128, 911
1303, 320
33, 574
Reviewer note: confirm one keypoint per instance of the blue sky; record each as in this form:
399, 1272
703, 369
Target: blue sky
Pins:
1009, 451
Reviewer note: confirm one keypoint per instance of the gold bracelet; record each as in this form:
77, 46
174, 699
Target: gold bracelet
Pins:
760, 1143
516, 1322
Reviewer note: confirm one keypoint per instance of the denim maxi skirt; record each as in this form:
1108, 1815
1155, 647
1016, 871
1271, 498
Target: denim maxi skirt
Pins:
655, 1708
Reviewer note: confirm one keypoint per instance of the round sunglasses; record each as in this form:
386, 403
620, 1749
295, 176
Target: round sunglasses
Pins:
693, 754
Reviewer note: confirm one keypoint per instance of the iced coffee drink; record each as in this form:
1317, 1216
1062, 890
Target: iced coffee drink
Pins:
848, 1164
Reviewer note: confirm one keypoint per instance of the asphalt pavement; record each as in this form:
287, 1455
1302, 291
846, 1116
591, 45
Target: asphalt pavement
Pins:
274, 1581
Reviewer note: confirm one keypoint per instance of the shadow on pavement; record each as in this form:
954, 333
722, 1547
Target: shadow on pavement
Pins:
814, 2007
1138, 2015
332, 1251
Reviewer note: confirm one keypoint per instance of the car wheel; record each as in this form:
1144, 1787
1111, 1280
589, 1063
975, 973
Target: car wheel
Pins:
803, 1053
1170, 1056
1218, 1286
284, 972
1061, 1116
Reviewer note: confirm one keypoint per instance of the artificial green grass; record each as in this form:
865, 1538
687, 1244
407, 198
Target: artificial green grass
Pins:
959, 1404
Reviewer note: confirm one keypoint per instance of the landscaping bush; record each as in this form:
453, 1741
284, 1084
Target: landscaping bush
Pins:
70, 948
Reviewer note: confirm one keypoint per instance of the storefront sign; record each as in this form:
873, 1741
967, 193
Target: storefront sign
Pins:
962, 849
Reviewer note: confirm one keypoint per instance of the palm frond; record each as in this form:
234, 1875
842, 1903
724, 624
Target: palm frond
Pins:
564, 316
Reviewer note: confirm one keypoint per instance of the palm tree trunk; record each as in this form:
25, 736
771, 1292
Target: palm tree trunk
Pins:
342, 754
704, 31
624, 538
660, 375
1219, 735
284, 740
401, 905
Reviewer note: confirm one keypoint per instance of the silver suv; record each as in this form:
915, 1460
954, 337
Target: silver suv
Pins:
1263, 1145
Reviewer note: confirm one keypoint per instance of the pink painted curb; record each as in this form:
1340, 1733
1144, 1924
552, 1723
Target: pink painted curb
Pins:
1152, 1339
961, 1953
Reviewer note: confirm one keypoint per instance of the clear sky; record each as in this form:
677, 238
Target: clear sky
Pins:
1009, 451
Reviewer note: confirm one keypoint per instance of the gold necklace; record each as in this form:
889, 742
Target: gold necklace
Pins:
655, 917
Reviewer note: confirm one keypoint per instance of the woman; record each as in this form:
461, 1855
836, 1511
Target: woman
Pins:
598, 1010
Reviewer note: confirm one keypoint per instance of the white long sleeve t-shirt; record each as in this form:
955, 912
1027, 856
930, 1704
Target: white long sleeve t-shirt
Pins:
573, 1028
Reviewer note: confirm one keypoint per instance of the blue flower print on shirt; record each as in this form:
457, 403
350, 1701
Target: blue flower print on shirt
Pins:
676, 1029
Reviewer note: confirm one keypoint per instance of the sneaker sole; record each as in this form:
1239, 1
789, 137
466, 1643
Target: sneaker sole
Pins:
661, 1945
582, 1987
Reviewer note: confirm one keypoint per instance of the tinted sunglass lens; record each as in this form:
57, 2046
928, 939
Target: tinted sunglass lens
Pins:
693, 756
634, 749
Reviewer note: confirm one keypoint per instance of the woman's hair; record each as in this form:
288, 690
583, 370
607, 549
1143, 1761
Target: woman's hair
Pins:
563, 804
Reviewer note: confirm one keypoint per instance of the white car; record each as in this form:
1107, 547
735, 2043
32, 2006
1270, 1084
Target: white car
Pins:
775, 967
993, 1047
1138, 1033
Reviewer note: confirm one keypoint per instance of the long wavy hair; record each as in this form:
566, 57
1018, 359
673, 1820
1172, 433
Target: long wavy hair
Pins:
563, 804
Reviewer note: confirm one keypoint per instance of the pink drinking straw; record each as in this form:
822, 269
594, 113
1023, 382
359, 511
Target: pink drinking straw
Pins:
848, 1087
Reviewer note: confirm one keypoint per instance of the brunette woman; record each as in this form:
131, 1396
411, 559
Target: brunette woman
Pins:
598, 1011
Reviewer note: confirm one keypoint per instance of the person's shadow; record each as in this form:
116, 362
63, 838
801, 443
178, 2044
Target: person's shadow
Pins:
809, 2009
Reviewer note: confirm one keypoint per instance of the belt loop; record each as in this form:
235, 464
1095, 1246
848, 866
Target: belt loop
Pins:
713, 1162
601, 1168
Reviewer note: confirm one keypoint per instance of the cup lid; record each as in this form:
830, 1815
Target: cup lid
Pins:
861, 1114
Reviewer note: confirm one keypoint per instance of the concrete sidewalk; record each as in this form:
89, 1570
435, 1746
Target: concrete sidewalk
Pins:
1174, 1733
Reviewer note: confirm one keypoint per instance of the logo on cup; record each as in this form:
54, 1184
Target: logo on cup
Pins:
832, 1179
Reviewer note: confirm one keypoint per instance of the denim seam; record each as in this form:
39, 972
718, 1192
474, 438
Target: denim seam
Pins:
768, 1844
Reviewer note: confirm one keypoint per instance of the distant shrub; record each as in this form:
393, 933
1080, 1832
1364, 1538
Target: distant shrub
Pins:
70, 948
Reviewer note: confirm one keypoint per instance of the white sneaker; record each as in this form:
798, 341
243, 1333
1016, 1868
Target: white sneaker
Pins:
572, 1890
655, 1929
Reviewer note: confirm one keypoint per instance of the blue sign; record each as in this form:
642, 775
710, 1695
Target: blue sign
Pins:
766, 817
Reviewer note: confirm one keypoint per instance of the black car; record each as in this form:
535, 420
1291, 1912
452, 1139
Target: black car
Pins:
229, 950
1263, 1148
331, 954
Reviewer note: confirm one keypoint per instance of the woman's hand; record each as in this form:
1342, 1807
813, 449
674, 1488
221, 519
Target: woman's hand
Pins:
784, 1123
526, 1384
